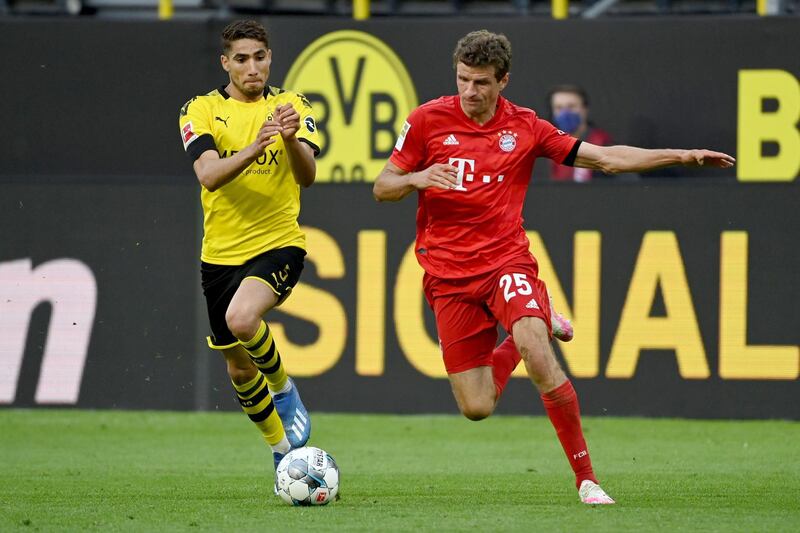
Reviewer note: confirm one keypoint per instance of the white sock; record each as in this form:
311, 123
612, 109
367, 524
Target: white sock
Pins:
286, 388
282, 447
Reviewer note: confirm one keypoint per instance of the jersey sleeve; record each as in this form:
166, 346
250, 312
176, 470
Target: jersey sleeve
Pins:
409, 150
194, 121
308, 126
554, 144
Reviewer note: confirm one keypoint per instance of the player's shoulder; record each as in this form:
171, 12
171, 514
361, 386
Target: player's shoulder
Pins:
441, 104
522, 112
433, 109
202, 101
283, 96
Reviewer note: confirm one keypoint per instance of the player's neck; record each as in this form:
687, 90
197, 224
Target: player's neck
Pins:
481, 118
236, 94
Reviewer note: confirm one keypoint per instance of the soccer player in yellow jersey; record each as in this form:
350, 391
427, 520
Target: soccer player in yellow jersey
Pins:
252, 147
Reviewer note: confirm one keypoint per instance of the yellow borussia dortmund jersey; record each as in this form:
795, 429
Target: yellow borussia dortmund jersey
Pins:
256, 211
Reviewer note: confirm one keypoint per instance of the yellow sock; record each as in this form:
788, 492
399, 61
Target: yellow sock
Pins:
257, 404
266, 357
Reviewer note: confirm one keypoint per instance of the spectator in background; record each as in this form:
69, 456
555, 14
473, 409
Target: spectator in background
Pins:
569, 111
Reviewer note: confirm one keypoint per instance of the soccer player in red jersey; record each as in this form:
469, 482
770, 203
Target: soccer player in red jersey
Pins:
470, 157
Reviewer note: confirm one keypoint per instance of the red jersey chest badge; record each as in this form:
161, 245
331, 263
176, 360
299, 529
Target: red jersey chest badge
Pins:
507, 140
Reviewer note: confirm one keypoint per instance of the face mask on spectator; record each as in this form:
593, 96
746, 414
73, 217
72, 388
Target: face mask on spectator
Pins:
568, 121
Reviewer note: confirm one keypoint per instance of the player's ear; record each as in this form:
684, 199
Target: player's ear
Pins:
223, 59
504, 80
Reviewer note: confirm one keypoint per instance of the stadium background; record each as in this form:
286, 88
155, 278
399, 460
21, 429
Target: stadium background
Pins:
98, 199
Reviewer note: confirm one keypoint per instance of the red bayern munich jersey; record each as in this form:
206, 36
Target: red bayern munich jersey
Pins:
477, 226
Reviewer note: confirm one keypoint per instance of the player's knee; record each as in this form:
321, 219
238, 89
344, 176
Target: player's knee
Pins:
243, 325
476, 410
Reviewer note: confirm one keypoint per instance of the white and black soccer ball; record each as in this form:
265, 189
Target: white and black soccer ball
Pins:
307, 476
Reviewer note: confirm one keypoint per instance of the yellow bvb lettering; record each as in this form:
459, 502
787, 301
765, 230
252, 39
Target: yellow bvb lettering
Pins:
737, 359
659, 264
420, 350
582, 354
371, 303
318, 307
755, 126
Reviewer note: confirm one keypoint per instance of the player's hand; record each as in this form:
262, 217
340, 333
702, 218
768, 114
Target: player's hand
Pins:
707, 158
438, 176
265, 137
288, 118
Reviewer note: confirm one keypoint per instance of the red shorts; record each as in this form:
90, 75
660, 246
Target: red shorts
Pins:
468, 310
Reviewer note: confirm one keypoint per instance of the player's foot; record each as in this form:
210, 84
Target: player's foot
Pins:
562, 328
591, 493
294, 416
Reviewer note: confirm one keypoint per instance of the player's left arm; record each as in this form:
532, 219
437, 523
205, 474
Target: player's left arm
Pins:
620, 158
301, 155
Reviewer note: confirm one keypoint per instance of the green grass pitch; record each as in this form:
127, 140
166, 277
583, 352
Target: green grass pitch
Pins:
67, 470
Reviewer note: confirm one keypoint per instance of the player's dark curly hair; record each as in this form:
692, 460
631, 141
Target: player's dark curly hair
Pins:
482, 47
243, 29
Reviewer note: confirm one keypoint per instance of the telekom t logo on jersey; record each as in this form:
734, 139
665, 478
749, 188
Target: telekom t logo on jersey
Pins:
466, 169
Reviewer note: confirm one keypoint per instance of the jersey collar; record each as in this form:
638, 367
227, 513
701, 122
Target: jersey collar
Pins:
267, 91
498, 112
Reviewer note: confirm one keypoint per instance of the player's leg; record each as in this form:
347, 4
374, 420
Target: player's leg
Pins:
474, 392
467, 337
560, 402
516, 302
505, 359
255, 399
269, 281
220, 283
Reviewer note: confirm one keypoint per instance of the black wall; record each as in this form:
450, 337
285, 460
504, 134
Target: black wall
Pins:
93, 171
95, 97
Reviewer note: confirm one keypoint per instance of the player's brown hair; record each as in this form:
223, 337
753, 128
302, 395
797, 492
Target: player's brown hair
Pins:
482, 47
243, 29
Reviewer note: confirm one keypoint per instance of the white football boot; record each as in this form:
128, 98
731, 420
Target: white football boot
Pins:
592, 494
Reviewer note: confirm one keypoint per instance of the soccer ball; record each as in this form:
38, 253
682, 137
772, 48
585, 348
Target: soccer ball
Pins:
307, 476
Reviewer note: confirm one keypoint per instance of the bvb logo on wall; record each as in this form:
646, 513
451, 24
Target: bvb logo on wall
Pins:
361, 93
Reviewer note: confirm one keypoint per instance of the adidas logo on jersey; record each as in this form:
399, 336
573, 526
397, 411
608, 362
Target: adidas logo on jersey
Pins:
532, 304
451, 140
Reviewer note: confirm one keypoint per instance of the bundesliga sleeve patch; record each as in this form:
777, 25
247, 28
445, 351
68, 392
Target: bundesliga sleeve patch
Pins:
401, 139
188, 135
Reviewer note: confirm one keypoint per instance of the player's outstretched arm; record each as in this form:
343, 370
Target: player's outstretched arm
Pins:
394, 183
616, 159
213, 171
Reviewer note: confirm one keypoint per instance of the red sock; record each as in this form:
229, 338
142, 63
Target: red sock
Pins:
562, 407
504, 360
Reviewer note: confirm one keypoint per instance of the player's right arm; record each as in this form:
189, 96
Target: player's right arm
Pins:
213, 171
394, 183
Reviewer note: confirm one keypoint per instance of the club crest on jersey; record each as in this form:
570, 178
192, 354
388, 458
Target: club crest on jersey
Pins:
508, 140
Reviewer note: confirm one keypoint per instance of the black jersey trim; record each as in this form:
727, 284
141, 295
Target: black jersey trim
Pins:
223, 92
570, 160
203, 144
312, 145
